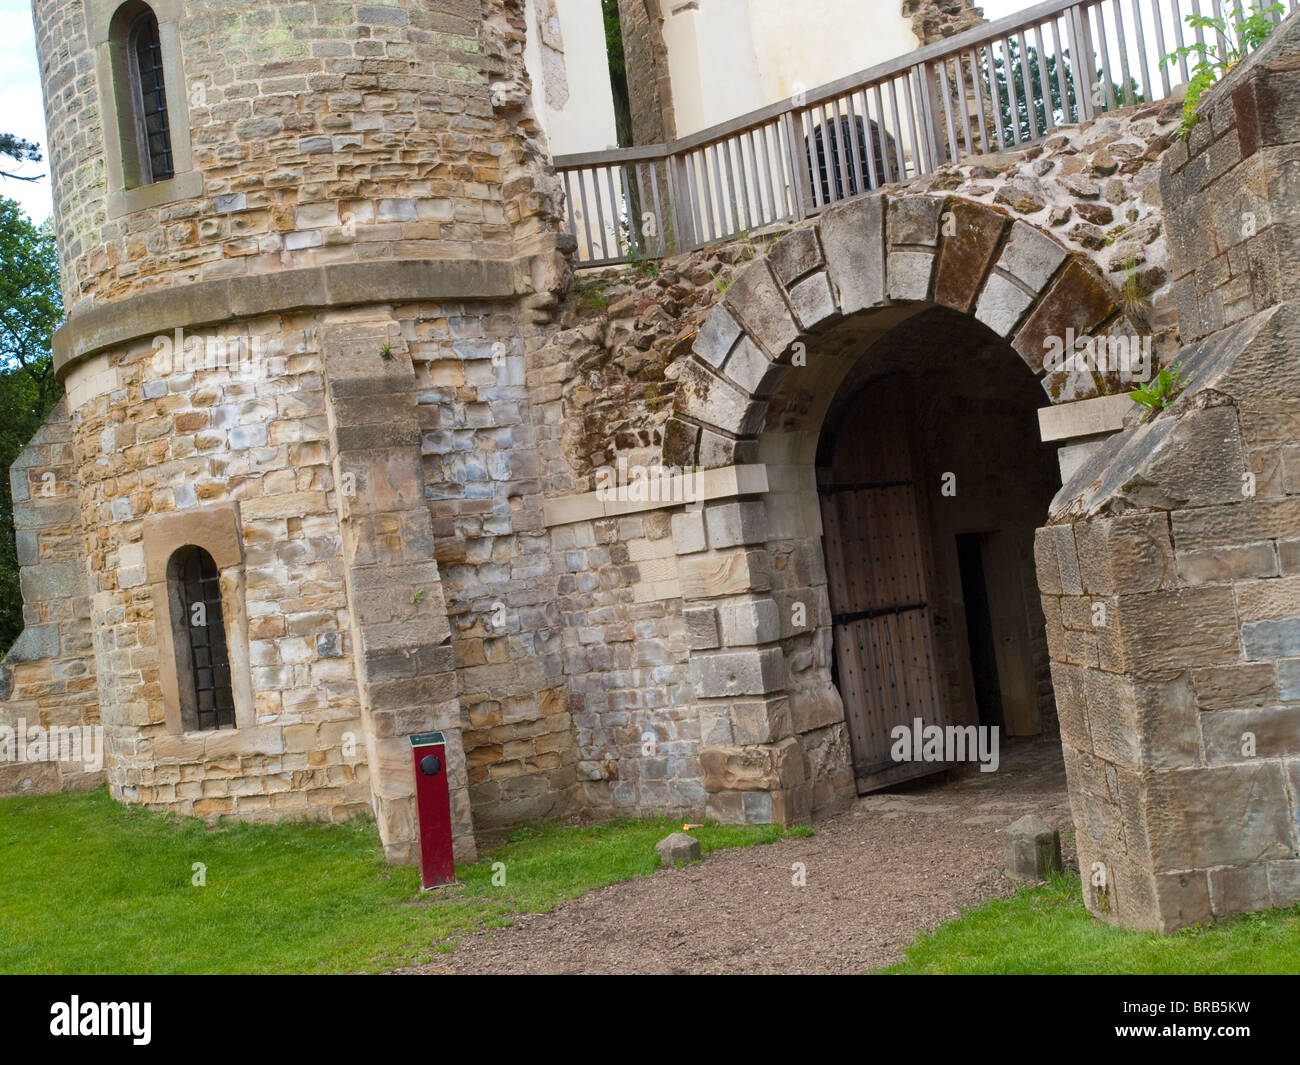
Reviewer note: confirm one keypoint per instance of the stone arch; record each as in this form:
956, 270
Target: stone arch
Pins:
774, 743
877, 253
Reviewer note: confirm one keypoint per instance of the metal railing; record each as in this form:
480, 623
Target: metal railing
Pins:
999, 86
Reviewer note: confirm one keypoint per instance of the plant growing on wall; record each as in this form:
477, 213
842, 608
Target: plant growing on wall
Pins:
1160, 392
1233, 42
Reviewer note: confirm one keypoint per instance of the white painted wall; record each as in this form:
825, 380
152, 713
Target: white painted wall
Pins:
585, 121
712, 62
816, 41
727, 57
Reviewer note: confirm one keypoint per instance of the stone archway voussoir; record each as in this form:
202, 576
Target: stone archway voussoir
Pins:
870, 252
1078, 300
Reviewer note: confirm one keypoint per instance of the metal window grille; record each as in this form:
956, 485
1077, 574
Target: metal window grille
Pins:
151, 98
830, 152
214, 703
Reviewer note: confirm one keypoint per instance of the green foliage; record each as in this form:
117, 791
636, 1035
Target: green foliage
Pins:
1233, 42
1061, 107
90, 886
645, 267
617, 73
593, 296
31, 308
20, 151
613, 37
1046, 929
31, 305
1161, 391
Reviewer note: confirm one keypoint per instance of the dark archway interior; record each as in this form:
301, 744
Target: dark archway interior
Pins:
984, 482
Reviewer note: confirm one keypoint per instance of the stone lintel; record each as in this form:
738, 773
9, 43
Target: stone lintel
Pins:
683, 489
1086, 417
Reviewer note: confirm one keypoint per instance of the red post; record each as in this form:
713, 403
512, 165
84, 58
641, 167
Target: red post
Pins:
433, 804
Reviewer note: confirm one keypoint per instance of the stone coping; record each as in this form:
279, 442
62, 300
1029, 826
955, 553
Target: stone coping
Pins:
1085, 417
722, 483
205, 303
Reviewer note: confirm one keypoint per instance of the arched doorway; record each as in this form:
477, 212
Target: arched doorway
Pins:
966, 301
931, 482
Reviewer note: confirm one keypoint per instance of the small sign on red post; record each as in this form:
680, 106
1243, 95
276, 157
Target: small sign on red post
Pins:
433, 804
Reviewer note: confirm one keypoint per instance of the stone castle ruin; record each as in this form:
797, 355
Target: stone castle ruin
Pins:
347, 454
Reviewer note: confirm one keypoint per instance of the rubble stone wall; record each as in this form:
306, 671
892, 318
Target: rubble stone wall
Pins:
400, 415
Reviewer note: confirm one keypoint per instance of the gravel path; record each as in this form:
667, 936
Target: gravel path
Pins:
894, 864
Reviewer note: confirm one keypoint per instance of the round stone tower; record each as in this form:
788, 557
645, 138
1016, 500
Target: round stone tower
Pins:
279, 223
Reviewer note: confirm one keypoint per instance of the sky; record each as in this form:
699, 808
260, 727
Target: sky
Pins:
21, 111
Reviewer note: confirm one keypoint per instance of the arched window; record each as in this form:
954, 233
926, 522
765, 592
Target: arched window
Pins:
837, 158
149, 98
203, 661
143, 103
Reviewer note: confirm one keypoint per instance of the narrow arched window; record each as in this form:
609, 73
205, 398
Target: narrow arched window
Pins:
199, 632
153, 131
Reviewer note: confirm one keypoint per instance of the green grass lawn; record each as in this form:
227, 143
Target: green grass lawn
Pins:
90, 886
1047, 930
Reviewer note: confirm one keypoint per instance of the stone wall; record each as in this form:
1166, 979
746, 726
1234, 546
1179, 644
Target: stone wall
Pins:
603, 388
368, 213
1232, 187
153, 445
398, 613
649, 83
934, 20
321, 134
625, 333
47, 679
764, 368
1180, 715
401, 477
481, 432
1095, 187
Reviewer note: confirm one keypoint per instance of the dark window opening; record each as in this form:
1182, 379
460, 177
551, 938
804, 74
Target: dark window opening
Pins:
153, 129
207, 701
979, 629
838, 162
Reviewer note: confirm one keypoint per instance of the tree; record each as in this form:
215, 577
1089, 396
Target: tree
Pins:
20, 151
1061, 110
30, 310
31, 305
617, 72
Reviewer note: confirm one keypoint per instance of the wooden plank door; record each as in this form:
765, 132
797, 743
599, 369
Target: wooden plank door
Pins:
880, 571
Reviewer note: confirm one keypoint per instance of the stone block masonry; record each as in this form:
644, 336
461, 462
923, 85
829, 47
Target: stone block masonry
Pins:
47, 679
482, 483
395, 475
353, 172
321, 133
404, 660
1179, 716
